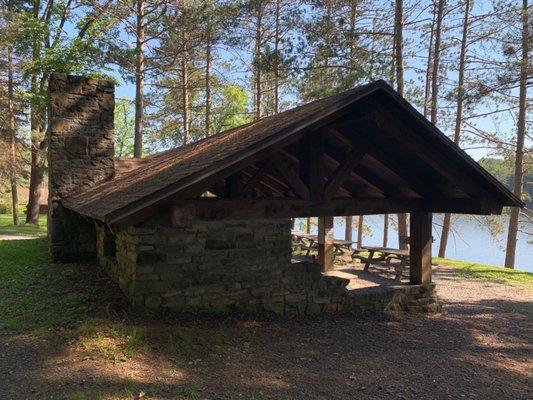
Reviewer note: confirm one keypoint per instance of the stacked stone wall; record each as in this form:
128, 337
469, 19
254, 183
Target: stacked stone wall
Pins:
81, 153
218, 266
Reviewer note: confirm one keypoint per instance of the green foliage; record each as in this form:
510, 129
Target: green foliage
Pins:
503, 170
124, 128
231, 108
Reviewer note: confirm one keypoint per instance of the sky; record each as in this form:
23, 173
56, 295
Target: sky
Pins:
505, 124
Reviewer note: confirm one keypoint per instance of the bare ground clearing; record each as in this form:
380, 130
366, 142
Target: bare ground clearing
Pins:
479, 348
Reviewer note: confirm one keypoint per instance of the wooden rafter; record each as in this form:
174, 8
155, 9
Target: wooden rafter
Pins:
343, 171
311, 164
234, 185
385, 124
256, 179
348, 188
388, 160
287, 171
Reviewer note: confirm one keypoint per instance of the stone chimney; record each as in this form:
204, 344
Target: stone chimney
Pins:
80, 154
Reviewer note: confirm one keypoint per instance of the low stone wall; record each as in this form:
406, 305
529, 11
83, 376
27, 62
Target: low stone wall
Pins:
220, 266
116, 253
207, 265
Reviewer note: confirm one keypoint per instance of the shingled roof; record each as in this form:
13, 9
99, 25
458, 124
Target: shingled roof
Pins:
172, 171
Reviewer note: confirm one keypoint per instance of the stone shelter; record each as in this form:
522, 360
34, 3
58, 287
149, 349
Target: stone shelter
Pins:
207, 226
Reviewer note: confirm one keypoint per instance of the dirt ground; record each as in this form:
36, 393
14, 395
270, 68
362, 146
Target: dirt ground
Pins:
480, 347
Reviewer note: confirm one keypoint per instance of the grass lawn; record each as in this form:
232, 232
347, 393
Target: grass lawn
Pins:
7, 227
37, 296
489, 273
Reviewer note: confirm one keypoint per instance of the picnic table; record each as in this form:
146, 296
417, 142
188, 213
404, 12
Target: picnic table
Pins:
386, 255
309, 242
304, 241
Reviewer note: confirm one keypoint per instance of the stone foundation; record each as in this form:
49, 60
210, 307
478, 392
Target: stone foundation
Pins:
245, 266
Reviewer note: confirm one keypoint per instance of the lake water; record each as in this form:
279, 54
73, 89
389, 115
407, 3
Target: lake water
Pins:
471, 238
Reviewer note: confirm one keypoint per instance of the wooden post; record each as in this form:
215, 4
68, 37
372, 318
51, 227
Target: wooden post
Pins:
420, 248
326, 250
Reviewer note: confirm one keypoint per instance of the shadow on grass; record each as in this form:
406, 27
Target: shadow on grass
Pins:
68, 333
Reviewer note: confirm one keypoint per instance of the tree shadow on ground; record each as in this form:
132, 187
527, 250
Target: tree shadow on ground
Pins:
96, 347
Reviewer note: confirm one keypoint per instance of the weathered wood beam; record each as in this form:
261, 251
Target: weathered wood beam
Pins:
388, 160
351, 180
286, 170
255, 180
261, 187
343, 171
219, 209
311, 164
326, 249
234, 184
365, 174
347, 189
420, 248
417, 143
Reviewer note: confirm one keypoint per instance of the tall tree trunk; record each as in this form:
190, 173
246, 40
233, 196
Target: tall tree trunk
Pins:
427, 90
11, 124
185, 98
436, 62
257, 61
308, 225
139, 80
520, 137
277, 57
38, 144
458, 120
348, 228
353, 21
360, 221
36, 174
208, 60
398, 53
385, 229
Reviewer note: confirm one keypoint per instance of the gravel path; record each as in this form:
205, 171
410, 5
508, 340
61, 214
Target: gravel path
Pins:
480, 347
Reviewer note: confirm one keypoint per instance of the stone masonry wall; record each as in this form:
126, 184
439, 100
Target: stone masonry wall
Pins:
81, 152
221, 266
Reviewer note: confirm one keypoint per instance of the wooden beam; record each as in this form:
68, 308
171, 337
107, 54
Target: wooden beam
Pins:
347, 189
343, 170
316, 183
286, 170
234, 185
219, 209
311, 164
368, 176
326, 249
254, 181
411, 137
387, 159
420, 248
